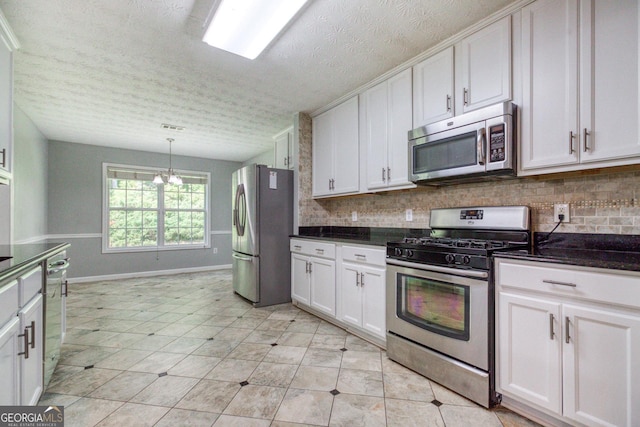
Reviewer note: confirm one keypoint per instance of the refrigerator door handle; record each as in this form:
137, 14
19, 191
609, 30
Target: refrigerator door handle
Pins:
240, 210
242, 258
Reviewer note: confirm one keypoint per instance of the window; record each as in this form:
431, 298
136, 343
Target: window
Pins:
140, 215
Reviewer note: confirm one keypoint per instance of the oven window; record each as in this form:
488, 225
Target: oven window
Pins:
439, 307
450, 153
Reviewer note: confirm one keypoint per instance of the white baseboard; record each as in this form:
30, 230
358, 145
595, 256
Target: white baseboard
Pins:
148, 273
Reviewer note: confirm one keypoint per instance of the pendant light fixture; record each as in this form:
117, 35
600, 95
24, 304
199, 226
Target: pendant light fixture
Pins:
170, 177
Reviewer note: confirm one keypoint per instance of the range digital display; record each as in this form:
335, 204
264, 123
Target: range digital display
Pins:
471, 214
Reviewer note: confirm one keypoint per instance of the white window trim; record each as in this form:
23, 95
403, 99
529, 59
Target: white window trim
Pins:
105, 214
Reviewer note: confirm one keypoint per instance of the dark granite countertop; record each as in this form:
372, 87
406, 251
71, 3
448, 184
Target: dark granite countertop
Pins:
25, 256
612, 251
375, 236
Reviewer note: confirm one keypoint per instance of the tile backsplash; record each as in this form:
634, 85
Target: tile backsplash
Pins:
599, 202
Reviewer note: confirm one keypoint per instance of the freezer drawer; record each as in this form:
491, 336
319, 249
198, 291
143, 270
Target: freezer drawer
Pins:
245, 275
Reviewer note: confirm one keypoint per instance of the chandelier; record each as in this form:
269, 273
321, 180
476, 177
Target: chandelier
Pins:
169, 177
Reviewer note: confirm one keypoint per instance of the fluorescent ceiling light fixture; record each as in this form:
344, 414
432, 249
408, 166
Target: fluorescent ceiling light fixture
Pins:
246, 27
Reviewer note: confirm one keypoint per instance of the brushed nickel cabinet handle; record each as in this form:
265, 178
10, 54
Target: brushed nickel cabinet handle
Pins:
388, 174
33, 333
26, 344
571, 138
465, 96
383, 175
551, 333
4, 157
361, 279
567, 338
585, 134
553, 282
448, 103
357, 279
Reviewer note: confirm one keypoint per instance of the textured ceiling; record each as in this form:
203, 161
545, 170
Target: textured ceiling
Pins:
109, 72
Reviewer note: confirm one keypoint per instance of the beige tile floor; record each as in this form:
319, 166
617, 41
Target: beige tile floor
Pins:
183, 350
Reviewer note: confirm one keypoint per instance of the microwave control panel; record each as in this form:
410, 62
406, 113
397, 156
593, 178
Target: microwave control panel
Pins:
497, 143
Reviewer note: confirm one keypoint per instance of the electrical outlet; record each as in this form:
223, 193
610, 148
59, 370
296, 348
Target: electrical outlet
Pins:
409, 214
354, 216
561, 209
215, 250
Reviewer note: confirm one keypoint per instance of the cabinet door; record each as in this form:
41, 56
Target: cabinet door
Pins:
484, 67
6, 106
346, 172
609, 110
281, 152
372, 283
350, 294
300, 278
433, 88
9, 365
322, 153
399, 124
375, 104
323, 285
601, 370
549, 78
31, 367
530, 350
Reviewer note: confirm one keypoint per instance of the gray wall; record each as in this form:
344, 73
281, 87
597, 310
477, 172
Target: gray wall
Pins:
29, 179
75, 210
265, 158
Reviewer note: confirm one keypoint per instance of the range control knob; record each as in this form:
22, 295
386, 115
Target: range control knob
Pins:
409, 253
466, 259
397, 252
450, 258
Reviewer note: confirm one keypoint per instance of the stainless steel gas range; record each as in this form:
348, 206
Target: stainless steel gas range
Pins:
440, 303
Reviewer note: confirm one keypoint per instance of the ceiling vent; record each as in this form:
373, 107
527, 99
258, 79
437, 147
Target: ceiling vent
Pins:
172, 127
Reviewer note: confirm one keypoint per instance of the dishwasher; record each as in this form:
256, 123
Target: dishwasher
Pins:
55, 293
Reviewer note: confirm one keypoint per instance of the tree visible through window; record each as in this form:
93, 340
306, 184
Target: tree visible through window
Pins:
143, 215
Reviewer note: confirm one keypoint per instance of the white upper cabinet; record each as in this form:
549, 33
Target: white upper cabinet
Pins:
579, 85
8, 44
474, 73
283, 150
609, 80
335, 150
483, 67
385, 118
433, 88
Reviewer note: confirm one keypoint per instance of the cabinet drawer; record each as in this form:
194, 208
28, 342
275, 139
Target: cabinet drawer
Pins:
8, 301
365, 255
30, 285
606, 286
313, 248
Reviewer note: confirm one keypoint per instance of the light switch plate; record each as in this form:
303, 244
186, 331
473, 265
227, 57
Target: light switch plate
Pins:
409, 214
354, 216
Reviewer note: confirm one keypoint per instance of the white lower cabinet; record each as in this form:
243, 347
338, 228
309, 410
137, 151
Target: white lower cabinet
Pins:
9, 366
362, 297
313, 280
31, 351
568, 341
343, 282
361, 289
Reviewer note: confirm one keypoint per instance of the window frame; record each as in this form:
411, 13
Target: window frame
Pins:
160, 210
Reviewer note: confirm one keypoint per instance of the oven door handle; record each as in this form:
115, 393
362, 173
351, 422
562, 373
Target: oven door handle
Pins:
439, 269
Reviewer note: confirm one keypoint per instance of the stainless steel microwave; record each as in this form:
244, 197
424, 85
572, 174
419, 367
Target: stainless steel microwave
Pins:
479, 144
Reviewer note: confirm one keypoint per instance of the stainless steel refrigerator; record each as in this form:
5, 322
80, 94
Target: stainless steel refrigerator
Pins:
262, 223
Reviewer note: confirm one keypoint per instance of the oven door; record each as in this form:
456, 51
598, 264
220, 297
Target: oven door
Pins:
440, 310
456, 152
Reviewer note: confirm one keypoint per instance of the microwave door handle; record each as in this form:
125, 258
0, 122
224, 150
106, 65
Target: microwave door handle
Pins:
481, 144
